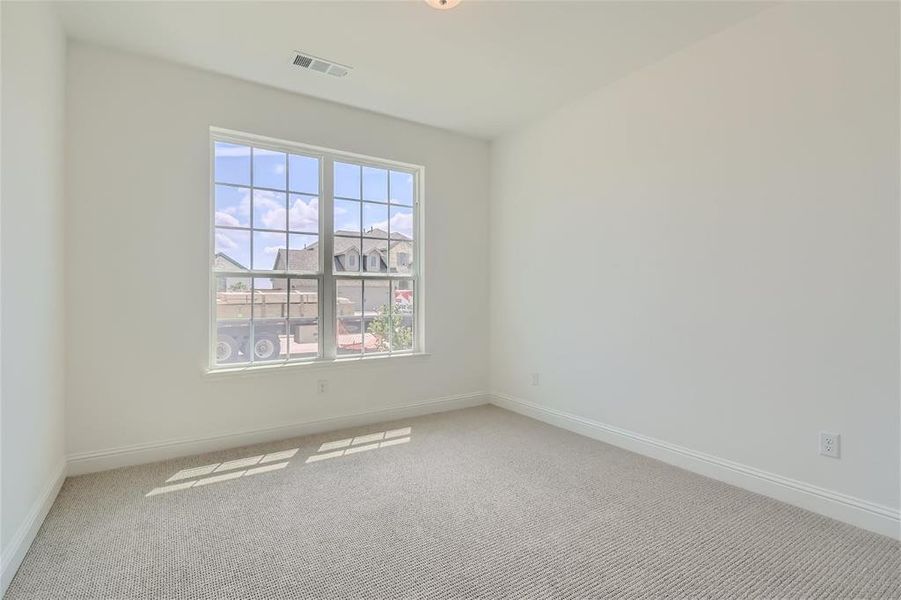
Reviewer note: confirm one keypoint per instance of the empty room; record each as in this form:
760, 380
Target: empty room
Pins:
451, 299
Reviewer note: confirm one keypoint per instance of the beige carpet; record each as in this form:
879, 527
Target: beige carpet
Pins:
472, 503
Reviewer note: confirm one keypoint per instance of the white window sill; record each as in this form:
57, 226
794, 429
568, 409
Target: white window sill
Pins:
316, 365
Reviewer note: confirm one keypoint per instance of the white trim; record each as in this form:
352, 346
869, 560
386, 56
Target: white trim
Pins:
123, 456
357, 361
24, 536
273, 143
856, 511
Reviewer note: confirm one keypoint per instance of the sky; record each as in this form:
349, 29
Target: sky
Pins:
292, 203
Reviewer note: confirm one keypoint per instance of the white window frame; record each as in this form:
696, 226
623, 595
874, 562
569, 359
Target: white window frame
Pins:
327, 276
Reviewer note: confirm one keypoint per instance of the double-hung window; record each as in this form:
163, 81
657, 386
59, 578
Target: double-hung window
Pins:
316, 254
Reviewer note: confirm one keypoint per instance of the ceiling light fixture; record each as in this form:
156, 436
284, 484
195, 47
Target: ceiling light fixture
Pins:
442, 4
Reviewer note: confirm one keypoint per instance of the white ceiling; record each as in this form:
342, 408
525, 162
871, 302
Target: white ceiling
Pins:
482, 69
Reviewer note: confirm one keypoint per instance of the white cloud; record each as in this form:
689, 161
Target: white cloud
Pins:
224, 242
304, 216
238, 201
243, 208
272, 250
227, 219
270, 212
401, 222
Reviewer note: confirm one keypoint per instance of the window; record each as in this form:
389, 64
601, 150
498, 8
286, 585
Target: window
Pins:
352, 262
314, 254
375, 263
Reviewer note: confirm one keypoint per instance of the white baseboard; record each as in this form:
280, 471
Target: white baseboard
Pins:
124, 456
856, 511
24, 536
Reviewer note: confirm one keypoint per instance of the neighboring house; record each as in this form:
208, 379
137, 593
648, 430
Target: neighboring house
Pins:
377, 255
224, 262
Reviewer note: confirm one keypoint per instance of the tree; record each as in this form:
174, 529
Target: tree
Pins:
238, 286
387, 324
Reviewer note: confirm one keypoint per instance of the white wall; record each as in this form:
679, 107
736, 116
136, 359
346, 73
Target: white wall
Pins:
137, 251
706, 252
31, 263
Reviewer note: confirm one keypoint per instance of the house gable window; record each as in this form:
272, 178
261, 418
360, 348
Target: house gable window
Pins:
352, 261
374, 263
291, 228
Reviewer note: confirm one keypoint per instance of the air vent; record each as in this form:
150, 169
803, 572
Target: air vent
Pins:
320, 65
303, 61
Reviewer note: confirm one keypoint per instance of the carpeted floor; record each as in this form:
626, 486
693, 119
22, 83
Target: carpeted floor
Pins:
473, 503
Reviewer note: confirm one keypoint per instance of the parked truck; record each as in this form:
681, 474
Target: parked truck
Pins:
278, 314
287, 321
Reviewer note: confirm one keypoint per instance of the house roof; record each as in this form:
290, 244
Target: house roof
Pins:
307, 259
222, 257
379, 234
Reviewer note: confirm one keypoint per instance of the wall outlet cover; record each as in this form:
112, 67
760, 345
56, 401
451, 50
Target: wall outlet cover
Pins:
830, 444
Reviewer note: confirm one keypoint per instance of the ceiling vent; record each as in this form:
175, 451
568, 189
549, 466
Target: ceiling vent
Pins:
320, 65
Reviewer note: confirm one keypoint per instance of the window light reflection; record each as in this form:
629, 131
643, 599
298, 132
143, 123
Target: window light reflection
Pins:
233, 464
215, 479
274, 461
366, 439
354, 449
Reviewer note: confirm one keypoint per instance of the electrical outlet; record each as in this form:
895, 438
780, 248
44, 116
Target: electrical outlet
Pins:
322, 386
535, 378
830, 444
